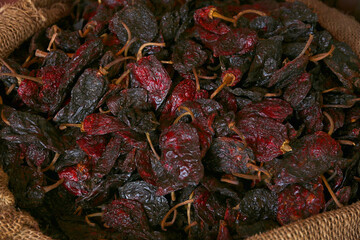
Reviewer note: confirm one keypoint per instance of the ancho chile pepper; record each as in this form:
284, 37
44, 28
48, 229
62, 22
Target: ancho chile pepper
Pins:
171, 120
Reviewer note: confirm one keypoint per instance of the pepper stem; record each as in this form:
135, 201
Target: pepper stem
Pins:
52, 187
56, 157
119, 80
109, 65
42, 54
10, 89
3, 117
229, 179
346, 142
34, 79
336, 89
63, 126
55, 29
187, 228
188, 112
259, 169
163, 221
331, 191
321, 56
275, 94
152, 146
228, 79
246, 176
173, 196
308, 43
100, 214
246, 12
208, 77
88, 29
332, 125
139, 54
11, 69
197, 84
167, 62
285, 147
214, 14
128, 40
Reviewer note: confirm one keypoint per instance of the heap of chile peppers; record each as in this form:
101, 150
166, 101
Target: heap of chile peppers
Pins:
180, 119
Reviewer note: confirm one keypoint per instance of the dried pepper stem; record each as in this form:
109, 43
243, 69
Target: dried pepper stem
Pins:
208, 77
259, 169
246, 176
166, 224
10, 89
78, 211
197, 84
10, 68
246, 12
104, 70
139, 54
332, 125
188, 210
167, 62
127, 46
63, 126
128, 40
103, 111
188, 112
100, 214
346, 142
350, 103
88, 29
187, 228
56, 157
331, 192
152, 146
230, 181
163, 221
228, 80
34, 79
214, 14
335, 89
3, 117
42, 54
238, 132
308, 43
119, 80
285, 147
173, 196
275, 94
321, 56
52, 187
56, 31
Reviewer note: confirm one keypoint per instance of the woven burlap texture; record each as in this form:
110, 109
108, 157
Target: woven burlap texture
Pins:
343, 27
20, 20
15, 224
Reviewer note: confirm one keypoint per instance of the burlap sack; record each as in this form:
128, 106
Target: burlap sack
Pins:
22, 19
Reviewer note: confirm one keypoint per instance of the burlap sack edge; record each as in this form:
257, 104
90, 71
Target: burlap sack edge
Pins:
20, 20
337, 224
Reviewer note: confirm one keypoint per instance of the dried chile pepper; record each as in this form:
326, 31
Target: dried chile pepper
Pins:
149, 74
85, 95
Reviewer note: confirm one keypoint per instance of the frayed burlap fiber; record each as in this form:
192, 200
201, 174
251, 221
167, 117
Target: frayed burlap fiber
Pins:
20, 20
15, 224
